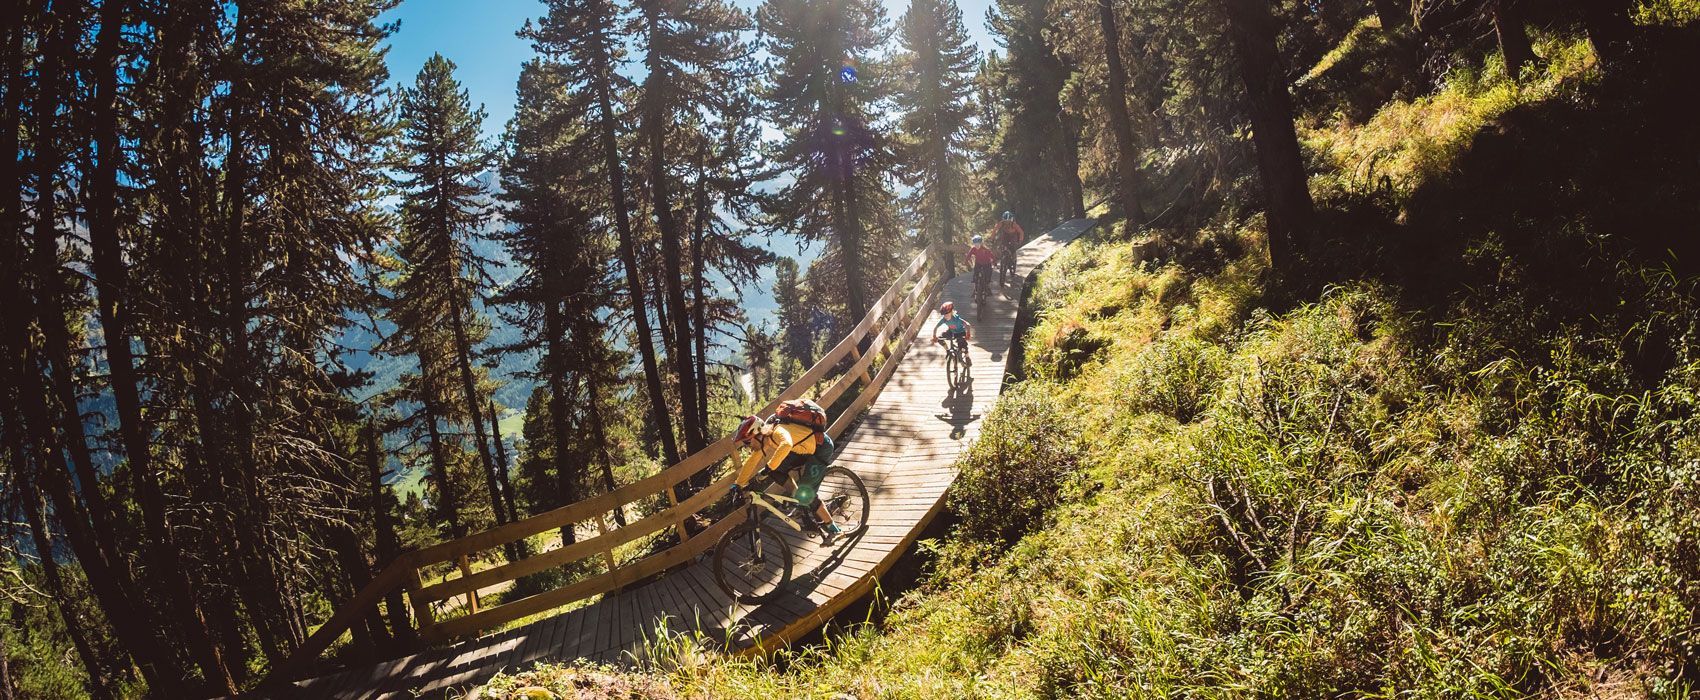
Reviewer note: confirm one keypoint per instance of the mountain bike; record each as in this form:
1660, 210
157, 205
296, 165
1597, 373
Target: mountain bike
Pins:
956, 358
752, 561
982, 290
1006, 266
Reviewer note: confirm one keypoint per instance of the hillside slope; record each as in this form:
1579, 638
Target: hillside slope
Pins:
1461, 463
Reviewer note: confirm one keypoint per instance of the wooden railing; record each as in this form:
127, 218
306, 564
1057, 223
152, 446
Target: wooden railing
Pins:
885, 332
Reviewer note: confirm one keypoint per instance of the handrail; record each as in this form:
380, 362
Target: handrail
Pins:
897, 308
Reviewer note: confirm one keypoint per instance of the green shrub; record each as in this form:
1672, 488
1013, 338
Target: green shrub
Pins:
1015, 473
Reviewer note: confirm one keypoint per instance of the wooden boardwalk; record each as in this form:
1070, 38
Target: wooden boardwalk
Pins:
905, 447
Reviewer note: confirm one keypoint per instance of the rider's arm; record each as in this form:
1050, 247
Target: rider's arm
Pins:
748, 468
775, 448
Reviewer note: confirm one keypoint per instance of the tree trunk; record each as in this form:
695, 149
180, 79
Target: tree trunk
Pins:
1071, 166
628, 258
439, 461
1513, 37
1127, 151
469, 390
92, 546
700, 308
943, 260
672, 278
1290, 211
599, 435
112, 290
52, 292
1609, 27
566, 476
502, 468
56, 589
389, 546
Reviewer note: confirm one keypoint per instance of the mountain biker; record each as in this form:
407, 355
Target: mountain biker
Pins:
1007, 237
784, 447
956, 328
981, 258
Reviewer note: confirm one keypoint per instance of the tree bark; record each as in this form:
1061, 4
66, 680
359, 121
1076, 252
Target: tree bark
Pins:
1127, 151
112, 290
389, 546
672, 278
1071, 166
700, 308
1513, 37
1290, 212
628, 258
439, 461
502, 469
474, 410
56, 588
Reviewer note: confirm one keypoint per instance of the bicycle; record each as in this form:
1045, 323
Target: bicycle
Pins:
982, 289
752, 561
956, 357
1006, 266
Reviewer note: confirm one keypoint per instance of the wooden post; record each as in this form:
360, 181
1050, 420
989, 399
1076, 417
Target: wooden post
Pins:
471, 596
602, 527
422, 616
679, 522
856, 356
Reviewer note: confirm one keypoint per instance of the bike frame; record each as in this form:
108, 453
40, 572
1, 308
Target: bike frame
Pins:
772, 502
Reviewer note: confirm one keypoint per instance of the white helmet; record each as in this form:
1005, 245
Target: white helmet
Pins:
1008, 216
976, 240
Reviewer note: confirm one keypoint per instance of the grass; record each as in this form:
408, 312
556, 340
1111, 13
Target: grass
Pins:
1411, 141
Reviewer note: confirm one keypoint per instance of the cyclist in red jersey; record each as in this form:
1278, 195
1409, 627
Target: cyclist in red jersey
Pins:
1007, 237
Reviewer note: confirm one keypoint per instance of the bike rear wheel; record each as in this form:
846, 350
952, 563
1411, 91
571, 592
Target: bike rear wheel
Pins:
752, 563
846, 498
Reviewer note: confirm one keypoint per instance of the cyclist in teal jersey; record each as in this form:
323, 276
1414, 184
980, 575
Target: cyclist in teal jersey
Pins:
956, 328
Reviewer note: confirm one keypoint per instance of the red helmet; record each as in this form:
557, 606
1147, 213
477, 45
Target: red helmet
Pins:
748, 429
947, 307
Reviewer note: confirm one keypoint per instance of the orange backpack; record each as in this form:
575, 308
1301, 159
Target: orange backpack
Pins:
801, 412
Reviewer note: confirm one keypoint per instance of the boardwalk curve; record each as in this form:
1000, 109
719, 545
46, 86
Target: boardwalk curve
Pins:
904, 446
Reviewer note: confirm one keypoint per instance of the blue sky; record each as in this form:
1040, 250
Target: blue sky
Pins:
478, 35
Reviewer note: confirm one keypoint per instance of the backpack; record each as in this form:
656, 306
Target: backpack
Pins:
801, 412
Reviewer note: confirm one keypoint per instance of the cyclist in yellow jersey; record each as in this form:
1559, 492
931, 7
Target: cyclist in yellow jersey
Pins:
784, 447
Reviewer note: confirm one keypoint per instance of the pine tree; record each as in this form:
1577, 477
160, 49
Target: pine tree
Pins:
549, 181
938, 66
1121, 124
1035, 155
823, 91
692, 53
796, 329
442, 214
1253, 31
581, 36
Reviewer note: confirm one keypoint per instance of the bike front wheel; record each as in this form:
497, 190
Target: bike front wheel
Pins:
752, 562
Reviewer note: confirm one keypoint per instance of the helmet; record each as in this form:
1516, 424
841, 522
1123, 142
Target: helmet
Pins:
977, 240
947, 307
748, 429
1007, 216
